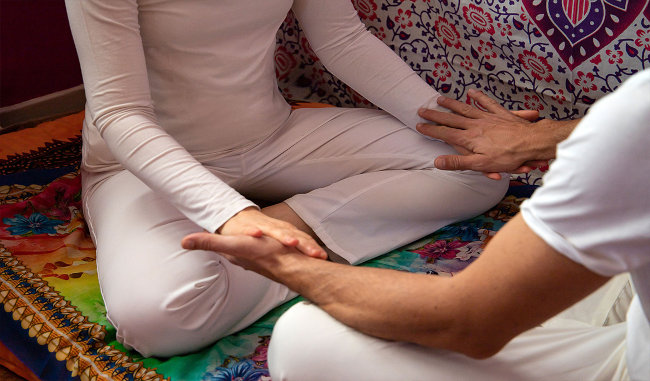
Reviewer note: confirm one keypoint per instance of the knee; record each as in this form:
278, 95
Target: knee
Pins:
157, 322
494, 189
456, 195
303, 344
288, 349
489, 191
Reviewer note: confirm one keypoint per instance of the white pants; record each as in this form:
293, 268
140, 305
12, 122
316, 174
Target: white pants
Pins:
360, 179
308, 344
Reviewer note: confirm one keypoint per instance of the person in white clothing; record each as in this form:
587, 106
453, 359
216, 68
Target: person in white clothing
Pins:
587, 223
185, 125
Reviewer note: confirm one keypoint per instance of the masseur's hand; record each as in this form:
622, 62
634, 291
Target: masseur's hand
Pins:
264, 255
254, 223
492, 141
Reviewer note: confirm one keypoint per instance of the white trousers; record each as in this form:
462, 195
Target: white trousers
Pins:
308, 344
359, 178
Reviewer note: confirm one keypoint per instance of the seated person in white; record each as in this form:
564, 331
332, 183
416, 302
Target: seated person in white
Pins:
185, 124
587, 223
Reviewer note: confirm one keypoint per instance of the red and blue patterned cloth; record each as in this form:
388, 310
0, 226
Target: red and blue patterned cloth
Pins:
555, 56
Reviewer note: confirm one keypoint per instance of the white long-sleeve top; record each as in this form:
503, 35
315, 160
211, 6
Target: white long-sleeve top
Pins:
167, 81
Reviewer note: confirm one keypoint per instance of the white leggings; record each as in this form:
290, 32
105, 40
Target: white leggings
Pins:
359, 178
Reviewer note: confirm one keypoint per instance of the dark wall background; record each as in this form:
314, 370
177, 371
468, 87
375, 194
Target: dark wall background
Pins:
37, 54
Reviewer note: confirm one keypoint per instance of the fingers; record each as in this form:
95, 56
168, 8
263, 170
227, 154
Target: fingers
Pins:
460, 108
458, 162
488, 103
256, 254
447, 118
285, 233
444, 133
529, 115
293, 237
249, 252
254, 223
215, 242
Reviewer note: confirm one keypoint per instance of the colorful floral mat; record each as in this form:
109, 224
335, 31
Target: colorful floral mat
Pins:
52, 314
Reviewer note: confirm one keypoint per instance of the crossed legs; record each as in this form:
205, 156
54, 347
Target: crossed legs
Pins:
357, 179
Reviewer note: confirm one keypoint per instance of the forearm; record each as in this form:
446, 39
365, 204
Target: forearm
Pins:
373, 70
380, 302
546, 135
475, 312
362, 61
505, 292
121, 113
160, 162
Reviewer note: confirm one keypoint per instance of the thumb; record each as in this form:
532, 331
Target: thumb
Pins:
455, 162
202, 241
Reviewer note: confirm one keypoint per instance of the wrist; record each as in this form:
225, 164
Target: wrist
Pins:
547, 135
249, 210
287, 266
306, 275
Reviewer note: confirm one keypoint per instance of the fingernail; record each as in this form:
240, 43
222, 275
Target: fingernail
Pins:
422, 111
189, 245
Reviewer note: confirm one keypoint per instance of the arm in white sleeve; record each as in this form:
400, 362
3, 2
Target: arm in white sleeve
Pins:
107, 37
361, 60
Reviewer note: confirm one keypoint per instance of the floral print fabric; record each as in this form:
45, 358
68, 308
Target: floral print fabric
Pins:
554, 56
531, 54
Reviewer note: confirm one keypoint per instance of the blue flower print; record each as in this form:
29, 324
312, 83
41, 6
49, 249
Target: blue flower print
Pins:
35, 224
465, 232
238, 371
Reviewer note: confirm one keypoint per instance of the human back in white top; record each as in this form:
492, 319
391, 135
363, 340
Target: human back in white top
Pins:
184, 123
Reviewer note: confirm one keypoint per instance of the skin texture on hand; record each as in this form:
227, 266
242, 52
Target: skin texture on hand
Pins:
475, 312
495, 140
261, 254
254, 223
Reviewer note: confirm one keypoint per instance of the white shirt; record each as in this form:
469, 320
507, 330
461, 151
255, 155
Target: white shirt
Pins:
594, 206
168, 81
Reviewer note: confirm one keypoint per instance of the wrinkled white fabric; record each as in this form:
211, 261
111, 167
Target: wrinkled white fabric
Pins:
164, 300
167, 82
308, 344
